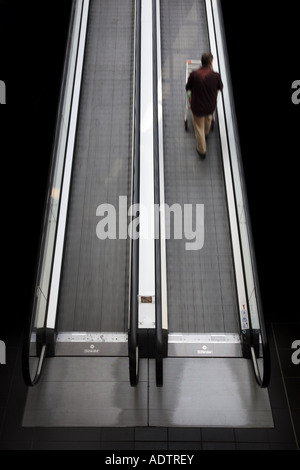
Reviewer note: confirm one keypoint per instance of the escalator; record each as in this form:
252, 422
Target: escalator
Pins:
208, 294
217, 337
119, 320
81, 294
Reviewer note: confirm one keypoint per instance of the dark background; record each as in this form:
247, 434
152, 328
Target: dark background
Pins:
32, 47
263, 48
263, 51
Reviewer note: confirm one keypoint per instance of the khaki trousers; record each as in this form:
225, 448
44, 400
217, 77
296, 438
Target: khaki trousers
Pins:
202, 127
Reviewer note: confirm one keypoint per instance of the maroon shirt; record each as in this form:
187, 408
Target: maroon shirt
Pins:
204, 85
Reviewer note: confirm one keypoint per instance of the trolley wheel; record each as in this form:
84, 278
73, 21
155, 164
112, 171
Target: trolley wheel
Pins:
186, 125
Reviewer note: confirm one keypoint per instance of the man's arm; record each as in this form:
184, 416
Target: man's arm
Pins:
221, 86
189, 84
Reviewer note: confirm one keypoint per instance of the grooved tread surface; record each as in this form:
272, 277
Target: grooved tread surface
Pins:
201, 284
94, 283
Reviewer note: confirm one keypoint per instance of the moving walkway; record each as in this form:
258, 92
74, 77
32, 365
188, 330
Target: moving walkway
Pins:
122, 317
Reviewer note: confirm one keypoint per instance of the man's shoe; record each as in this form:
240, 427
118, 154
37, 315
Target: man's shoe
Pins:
201, 155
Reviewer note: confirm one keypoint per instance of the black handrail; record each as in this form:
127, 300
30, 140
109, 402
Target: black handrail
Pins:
41, 350
262, 380
159, 347
29, 381
133, 347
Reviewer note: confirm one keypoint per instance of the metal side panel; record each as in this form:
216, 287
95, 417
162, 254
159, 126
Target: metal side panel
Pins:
94, 285
91, 344
208, 393
202, 294
87, 392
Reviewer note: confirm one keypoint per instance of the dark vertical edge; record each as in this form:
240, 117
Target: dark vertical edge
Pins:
42, 349
158, 310
133, 323
264, 382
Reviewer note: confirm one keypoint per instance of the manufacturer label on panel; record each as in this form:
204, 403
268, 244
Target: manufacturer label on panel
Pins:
146, 300
91, 350
245, 319
205, 350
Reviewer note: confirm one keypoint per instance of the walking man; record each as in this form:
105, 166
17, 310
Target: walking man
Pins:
204, 85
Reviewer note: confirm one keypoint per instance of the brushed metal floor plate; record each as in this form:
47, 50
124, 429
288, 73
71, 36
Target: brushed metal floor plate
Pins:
87, 392
208, 392
204, 345
92, 344
95, 392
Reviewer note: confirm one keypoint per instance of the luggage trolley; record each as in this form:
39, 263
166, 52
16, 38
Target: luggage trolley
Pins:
191, 66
